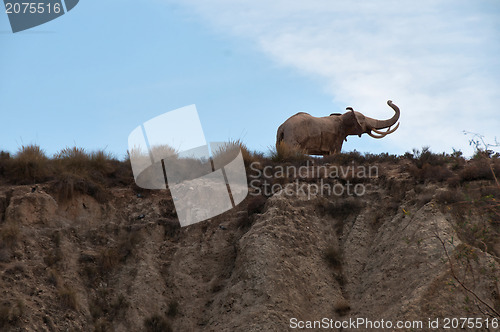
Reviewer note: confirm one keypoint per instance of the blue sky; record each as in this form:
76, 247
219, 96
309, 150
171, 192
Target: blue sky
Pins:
91, 76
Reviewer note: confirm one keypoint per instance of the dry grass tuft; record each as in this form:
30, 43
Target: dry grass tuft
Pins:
30, 165
284, 152
67, 297
228, 151
68, 185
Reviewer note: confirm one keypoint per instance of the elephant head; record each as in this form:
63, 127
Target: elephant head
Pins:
366, 125
325, 135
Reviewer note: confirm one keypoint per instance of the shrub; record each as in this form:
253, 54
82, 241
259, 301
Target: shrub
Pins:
449, 196
95, 168
256, 204
53, 257
29, 166
157, 323
228, 151
428, 172
122, 174
11, 313
478, 169
73, 159
53, 277
101, 325
4, 314
67, 296
4, 162
108, 259
342, 307
66, 185
341, 208
425, 156
345, 158
173, 308
333, 256
102, 162
381, 158
9, 234
102, 307
285, 152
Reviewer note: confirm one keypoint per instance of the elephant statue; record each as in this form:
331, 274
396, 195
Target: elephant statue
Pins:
325, 135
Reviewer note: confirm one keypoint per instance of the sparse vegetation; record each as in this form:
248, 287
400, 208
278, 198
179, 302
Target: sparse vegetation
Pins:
11, 312
341, 208
173, 308
30, 165
9, 234
67, 297
284, 152
333, 257
449, 196
465, 190
342, 307
157, 323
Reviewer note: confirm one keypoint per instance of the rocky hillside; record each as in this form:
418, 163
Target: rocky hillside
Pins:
420, 242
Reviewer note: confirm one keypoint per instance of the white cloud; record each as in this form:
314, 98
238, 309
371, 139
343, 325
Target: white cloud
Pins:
438, 60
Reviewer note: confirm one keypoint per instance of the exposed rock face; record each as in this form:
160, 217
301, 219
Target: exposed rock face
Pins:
30, 208
81, 265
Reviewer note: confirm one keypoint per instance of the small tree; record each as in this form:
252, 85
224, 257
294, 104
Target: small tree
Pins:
483, 149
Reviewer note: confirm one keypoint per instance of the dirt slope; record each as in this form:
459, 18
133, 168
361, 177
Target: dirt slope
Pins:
125, 265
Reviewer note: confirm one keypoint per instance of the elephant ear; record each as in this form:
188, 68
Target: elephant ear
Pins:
351, 123
349, 119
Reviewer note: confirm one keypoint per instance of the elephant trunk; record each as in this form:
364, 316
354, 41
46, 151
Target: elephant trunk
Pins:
381, 124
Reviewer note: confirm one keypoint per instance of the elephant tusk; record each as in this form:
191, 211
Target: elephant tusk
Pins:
375, 136
389, 130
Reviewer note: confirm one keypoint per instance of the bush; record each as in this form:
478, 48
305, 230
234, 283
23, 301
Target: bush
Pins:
425, 156
157, 323
11, 313
9, 234
345, 158
381, 158
478, 169
67, 185
173, 308
53, 257
333, 256
342, 307
232, 148
284, 152
341, 209
102, 162
103, 307
67, 296
96, 168
428, 172
73, 159
449, 196
4, 162
29, 166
